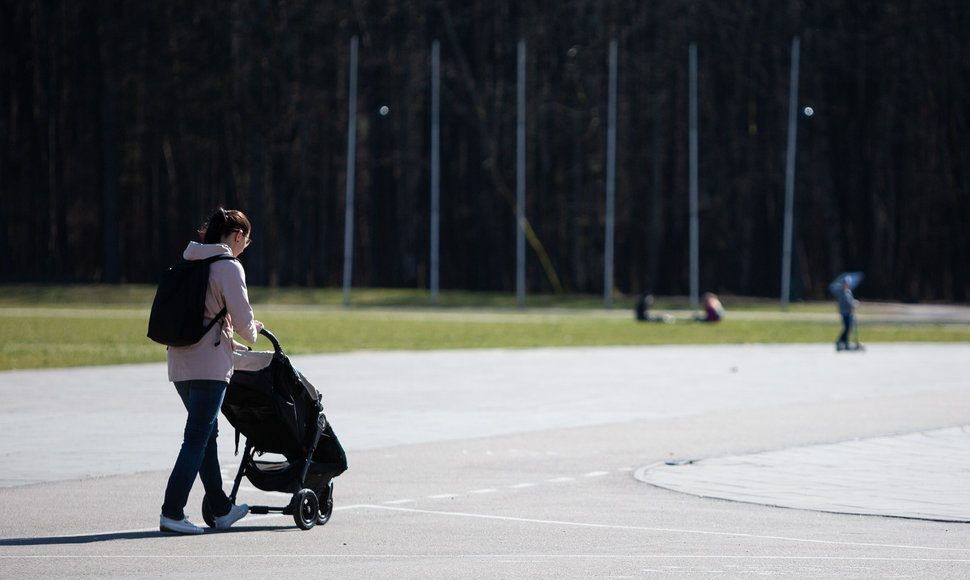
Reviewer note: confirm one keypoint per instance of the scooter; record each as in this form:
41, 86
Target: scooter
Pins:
857, 347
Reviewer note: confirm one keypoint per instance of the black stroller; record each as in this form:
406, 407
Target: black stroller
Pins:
279, 411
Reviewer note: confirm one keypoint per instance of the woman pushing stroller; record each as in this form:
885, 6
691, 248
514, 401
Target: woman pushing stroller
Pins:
202, 371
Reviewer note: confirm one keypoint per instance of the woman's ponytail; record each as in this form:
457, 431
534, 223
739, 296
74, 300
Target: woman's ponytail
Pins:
221, 223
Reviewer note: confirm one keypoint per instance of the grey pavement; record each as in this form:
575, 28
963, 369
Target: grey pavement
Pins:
527, 463
89, 422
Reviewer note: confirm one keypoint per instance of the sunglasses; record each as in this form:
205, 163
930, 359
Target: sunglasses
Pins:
249, 240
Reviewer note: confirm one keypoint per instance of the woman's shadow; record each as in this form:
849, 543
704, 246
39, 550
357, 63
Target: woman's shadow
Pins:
133, 535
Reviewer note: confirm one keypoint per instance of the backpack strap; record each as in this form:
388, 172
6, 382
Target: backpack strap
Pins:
222, 313
218, 318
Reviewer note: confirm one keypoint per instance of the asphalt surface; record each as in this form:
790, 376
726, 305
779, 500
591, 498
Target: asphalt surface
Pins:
628, 462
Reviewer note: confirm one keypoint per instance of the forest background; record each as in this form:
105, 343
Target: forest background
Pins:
125, 123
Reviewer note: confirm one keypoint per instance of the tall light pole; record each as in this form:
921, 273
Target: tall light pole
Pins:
610, 182
351, 170
520, 180
435, 169
692, 145
790, 176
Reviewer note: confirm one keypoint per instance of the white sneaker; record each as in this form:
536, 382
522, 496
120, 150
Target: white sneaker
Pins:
183, 526
236, 513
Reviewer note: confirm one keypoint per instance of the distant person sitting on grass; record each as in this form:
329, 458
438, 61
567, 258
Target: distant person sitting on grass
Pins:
713, 311
642, 308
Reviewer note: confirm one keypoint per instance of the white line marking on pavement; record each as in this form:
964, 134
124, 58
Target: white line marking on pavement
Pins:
656, 529
504, 557
515, 557
521, 485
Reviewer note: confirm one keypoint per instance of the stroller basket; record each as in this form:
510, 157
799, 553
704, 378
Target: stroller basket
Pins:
279, 411
285, 476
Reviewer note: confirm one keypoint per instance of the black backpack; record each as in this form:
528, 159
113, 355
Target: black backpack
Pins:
179, 307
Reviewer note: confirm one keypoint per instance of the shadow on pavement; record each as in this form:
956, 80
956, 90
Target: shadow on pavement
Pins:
134, 535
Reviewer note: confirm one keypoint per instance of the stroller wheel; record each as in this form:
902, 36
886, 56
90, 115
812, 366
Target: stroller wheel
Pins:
326, 506
306, 507
207, 515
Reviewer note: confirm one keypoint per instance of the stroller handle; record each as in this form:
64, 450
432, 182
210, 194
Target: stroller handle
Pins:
272, 338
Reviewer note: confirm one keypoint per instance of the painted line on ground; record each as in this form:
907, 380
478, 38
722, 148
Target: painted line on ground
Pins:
538, 521
517, 486
521, 485
658, 529
503, 557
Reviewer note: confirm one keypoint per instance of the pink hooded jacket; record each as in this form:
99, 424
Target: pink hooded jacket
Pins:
211, 358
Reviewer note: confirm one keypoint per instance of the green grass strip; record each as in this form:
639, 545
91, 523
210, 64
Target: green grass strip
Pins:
60, 336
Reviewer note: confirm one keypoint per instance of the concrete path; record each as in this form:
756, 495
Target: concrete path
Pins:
913, 475
525, 463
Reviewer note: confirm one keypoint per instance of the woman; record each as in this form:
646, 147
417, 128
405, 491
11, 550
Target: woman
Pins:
201, 373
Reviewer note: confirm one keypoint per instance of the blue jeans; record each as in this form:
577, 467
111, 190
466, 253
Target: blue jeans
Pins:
199, 454
846, 327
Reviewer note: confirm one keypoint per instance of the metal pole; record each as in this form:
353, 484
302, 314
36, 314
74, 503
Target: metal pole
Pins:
610, 182
435, 168
694, 229
520, 180
351, 169
790, 176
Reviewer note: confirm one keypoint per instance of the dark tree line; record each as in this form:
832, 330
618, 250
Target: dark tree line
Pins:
124, 123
